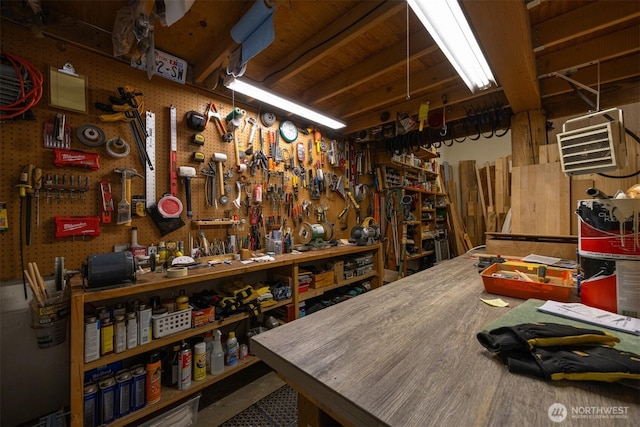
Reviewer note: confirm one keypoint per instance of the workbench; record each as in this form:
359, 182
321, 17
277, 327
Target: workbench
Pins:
406, 354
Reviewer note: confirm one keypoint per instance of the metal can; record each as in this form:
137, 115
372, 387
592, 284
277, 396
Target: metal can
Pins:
199, 361
123, 392
153, 386
91, 407
144, 324
132, 330
184, 367
106, 336
120, 332
107, 400
139, 375
91, 339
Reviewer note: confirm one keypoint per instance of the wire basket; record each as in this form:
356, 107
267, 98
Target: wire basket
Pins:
166, 324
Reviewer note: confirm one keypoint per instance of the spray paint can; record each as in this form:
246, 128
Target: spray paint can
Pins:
91, 407
153, 386
199, 361
139, 375
91, 339
123, 392
107, 400
184, 367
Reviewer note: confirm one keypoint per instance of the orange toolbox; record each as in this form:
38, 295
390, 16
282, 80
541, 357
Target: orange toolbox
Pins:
510, 279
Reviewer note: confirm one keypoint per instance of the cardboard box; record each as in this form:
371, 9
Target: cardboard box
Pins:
323, 279
203, 316
606, 228
497, 279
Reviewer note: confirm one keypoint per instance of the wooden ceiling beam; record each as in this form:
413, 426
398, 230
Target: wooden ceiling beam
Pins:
580, 22
362, 18
420, 44
610, 72
421, 82
220, 50
456, 96
502, 31
622, 93
603, 48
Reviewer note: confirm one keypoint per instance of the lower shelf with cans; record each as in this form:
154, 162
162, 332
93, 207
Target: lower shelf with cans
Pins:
171, 395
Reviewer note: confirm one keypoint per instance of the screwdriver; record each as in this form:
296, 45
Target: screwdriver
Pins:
37, 185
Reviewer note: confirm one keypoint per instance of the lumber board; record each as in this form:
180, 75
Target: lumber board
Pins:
540, 200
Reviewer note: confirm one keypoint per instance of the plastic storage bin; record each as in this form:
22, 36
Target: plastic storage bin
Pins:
166, 324
558, 288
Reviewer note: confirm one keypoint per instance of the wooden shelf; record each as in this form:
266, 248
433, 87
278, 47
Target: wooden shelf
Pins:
214, 222
312, 293
156, 283
178, 336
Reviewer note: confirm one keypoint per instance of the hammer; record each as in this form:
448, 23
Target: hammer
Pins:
187, 172
220, 158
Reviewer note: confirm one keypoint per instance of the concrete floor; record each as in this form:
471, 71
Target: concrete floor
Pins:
215, 413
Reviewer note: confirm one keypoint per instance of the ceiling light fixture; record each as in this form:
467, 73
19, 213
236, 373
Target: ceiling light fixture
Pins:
277, 101
449, 28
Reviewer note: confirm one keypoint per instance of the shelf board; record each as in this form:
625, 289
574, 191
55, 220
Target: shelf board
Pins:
214, 222
172, 395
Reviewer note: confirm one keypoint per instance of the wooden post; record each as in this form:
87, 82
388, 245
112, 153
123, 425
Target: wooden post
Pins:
528, 133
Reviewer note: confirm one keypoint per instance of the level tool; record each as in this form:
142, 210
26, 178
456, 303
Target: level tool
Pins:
150, 175
173, 160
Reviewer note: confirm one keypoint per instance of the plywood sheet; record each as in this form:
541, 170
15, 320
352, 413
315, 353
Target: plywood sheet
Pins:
540, 200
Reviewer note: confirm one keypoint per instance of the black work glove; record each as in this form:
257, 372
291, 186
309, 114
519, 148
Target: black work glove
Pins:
528, 335
575, 363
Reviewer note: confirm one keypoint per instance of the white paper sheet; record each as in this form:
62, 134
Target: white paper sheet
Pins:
593, 315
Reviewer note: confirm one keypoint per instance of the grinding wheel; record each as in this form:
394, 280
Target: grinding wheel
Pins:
90, 135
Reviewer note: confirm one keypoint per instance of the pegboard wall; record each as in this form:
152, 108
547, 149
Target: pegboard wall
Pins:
23, 144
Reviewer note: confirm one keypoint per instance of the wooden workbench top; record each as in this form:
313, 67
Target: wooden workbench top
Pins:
406, 355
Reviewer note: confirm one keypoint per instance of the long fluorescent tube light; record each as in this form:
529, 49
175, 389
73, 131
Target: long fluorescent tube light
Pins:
280, 102
449, 28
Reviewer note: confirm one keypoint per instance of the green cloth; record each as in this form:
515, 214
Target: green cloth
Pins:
527, 313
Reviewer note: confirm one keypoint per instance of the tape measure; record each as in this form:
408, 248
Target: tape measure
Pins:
150, 175
198, 138
198, 156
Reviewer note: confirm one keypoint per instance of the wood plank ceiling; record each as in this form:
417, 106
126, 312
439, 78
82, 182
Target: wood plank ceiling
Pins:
350, 60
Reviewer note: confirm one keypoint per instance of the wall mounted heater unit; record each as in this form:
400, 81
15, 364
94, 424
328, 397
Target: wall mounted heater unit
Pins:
596, 147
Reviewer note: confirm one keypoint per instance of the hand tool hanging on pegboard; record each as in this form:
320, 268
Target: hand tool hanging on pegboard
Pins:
127, 108
24, 185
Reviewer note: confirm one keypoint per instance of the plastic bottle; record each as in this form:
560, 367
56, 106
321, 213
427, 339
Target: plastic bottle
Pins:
199, 361
208, 342
162, 253
217, 354
232, 350
182, 302
137, 249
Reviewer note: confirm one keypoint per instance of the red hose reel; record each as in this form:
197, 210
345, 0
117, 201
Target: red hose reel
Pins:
20, 87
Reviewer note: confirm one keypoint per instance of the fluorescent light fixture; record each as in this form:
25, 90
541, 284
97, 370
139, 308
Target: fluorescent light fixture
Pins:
449, 28
280, 102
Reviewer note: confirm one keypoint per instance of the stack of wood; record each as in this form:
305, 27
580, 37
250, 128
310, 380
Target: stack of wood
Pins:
458, 237
494, 189
36, 283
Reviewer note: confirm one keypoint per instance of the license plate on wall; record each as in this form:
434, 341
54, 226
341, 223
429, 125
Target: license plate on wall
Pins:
167, 66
